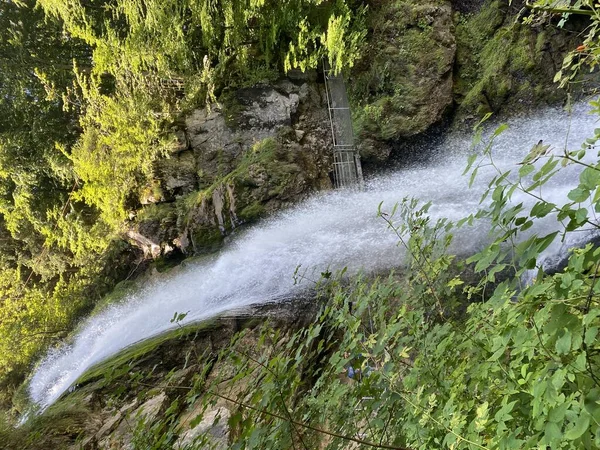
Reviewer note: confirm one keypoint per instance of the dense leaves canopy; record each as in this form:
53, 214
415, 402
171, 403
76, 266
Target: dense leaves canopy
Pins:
86, 106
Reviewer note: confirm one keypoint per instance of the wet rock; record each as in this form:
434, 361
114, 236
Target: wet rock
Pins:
404, 81
373, 152
263, 108
177, 174
212, 430
158, 223
109, 425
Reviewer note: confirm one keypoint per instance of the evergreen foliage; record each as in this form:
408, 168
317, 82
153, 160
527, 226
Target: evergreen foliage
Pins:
89, 92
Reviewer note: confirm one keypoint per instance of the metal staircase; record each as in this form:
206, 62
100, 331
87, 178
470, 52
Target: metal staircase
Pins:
346, 160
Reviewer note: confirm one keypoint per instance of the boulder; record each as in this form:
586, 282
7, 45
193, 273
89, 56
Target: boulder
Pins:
212, 429
261, 149
403, 83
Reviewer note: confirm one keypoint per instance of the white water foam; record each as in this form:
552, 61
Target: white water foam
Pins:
333, 230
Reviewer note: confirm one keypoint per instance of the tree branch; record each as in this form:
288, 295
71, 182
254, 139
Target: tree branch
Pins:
550, 9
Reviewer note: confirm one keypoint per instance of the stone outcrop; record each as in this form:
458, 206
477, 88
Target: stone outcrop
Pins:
403, 84
504, 66
265, 147
429, 63
258, 150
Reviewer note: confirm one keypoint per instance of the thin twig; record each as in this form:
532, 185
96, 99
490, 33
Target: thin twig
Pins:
287, 411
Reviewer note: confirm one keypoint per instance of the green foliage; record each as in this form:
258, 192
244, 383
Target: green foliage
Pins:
114, 156
35, 176
584, 56
520, 368
34, 315
175, 37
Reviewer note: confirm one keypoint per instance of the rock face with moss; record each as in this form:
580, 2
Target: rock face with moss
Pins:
503, 65
267, 146
404, 82
433, 60
258, 150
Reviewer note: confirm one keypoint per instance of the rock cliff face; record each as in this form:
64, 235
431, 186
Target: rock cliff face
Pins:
432, 61
261, 148
404, 82
505, 66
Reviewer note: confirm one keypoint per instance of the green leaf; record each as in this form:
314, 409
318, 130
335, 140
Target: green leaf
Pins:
590, 178
591, 403
527, 225
542, 209
581, 426
470, 160
526, 169
590, 335
563, 344
500, 130
544, 242
488, 256
553, 432
198, 418
581, 215
557, 414
579, 195
558, 76
473, 175
591, 316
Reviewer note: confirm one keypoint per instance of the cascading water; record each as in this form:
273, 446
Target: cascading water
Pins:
333, 230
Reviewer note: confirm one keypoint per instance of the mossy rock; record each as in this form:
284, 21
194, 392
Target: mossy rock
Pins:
403, 83
503, 65
206, 240
252, 212
232, 109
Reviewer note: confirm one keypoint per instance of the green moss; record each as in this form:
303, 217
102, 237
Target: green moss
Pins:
498, 61
252, 212
120, 364
166, 264
159, 211
10, 436
265, 156
405, 51
231, 109
206, 240
58, 427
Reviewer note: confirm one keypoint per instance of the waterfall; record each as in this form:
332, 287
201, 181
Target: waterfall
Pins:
332, 230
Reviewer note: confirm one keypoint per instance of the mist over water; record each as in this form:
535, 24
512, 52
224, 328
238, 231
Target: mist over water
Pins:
329, 231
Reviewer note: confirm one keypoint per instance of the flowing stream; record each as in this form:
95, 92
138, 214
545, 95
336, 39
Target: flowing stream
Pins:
329, 231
